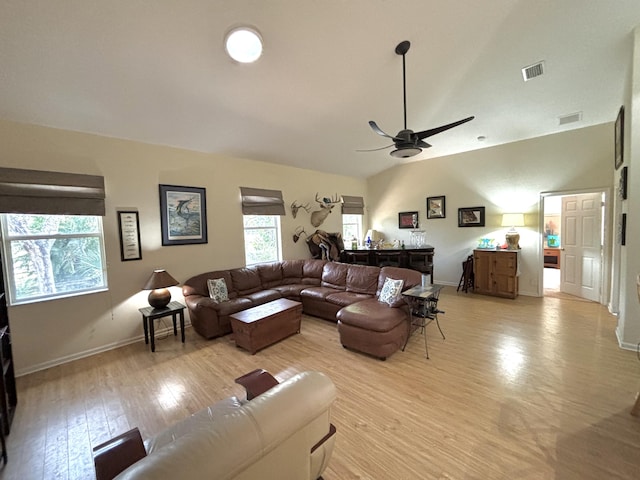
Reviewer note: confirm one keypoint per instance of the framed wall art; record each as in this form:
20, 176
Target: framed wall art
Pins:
622, 187
471, 217
622, 229
619, 138
436, 207
408, 220
129, 229
183, 215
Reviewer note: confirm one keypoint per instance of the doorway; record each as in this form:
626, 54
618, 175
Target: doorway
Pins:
573, 237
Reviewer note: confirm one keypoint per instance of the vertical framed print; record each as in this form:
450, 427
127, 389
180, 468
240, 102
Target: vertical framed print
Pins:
129, 229
619, 138
183, 215
436, 207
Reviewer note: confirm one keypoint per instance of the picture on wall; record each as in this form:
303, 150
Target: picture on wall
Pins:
619, 138
622, 187
183, 215
622, 229
408, 220
129, 229
436, 207
471, 217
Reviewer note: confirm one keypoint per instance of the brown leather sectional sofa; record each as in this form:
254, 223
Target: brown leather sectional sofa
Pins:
333, 291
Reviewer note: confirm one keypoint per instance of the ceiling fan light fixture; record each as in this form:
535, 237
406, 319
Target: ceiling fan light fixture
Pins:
406, 152
243, 44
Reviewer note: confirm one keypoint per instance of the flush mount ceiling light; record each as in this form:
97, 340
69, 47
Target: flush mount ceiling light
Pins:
243, 44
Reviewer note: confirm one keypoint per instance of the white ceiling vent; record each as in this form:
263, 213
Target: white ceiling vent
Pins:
571, 118
532, 71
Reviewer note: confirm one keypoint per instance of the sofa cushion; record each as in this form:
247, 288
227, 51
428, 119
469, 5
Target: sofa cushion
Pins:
218, 290
291, 290
232, 306
372, 315
292, 271
197, 285
411, 277
312, 271
270, 274
318, 293
346, 298
334, 275
245, 280
391, 291
263, 296
362, 279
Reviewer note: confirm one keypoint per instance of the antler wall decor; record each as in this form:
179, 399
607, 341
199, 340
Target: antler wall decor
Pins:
326, 205
295, 207
298, 233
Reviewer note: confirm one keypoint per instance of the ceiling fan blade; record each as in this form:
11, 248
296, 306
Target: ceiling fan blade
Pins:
376, 149
434, 131
422, 144
379, 131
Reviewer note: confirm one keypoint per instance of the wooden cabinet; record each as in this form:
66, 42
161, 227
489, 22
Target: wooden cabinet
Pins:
552, 257
496, 272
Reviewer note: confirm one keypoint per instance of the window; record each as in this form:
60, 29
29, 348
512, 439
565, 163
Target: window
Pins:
351, 228
52, 256
262, 240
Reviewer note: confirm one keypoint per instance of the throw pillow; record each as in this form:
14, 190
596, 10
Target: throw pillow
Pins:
218, 290
391, 291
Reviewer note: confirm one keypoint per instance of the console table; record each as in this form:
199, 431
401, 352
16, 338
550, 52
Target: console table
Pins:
369, 256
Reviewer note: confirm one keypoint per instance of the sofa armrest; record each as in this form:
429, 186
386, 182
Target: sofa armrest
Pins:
116, 455
257, 382
195, 302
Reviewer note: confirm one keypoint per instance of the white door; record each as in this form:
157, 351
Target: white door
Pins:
581, 254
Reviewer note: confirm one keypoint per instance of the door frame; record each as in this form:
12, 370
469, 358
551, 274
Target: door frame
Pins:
605, 271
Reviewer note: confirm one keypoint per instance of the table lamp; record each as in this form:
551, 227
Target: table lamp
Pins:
512, 237
158, 282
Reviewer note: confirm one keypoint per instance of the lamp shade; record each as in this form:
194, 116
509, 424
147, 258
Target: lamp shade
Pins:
160, 279
513, 220
158, 282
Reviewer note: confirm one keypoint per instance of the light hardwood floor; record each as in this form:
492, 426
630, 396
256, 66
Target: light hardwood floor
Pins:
532, 388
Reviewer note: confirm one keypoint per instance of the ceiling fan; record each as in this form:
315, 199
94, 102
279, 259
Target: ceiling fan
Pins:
407, 142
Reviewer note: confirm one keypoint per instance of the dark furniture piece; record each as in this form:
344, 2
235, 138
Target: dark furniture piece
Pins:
8, 392
149, 314
423, 302
116, 455
261, 326
420, 259
256, 382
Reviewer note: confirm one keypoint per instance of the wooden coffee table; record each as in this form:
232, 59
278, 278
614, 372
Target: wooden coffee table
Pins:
264, 325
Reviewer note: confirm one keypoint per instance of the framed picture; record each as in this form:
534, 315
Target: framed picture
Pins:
408, 220
183, 215
436, 207
471, 217
129, 228
622, 229
619, 135
622, 187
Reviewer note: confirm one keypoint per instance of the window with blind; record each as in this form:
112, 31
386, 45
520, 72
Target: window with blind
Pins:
52, 236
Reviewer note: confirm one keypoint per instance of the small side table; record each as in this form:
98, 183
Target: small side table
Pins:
423, 303
149, 314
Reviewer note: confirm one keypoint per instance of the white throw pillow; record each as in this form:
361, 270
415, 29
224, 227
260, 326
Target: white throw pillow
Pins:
391, 291
218, 290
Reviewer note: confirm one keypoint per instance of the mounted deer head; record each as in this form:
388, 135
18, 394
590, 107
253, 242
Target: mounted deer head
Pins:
295, 207
298, 234
326, 205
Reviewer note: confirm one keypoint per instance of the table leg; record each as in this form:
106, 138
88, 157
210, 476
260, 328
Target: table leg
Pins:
175, 331
182, 324
146, 329
152, 333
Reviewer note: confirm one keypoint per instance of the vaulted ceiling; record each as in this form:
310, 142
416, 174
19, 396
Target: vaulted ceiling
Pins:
157, 72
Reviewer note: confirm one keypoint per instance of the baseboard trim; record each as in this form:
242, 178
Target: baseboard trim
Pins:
93, 351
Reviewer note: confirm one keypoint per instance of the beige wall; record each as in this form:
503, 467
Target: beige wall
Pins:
504, 179
55, 331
